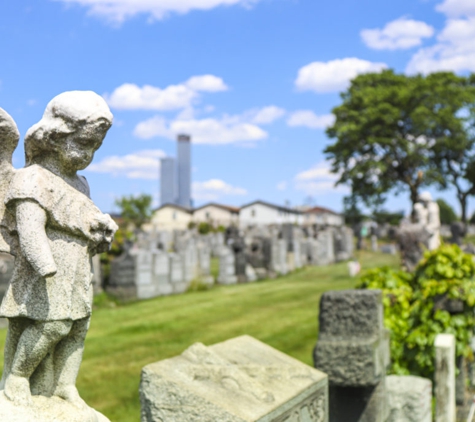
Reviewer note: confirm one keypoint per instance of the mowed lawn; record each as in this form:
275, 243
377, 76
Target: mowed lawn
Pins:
123, 339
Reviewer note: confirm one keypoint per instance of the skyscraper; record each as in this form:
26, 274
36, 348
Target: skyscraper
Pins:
184, 170
168, 191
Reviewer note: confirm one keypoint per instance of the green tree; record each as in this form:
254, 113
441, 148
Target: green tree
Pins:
135, 210
453, 128
387, 128
388, 217
351, 211
447, 213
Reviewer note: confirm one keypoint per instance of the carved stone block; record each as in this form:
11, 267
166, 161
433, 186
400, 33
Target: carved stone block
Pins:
239, 380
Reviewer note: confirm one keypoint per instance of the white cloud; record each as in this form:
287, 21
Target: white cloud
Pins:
206, 83
334, 75
267, 115
117, 11
132, 97
308, 118
455, 50
400, 34
457, 8
213, 189
227, 130
318, 180
282, 186
139, 165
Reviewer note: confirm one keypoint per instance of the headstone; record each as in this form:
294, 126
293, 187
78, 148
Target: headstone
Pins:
204, 260
146, 289
161, 273
389, 249
458, 231
411, 238
97, 274
239, 380
227, 269
354, 268
445, 408
122, 276
409, 399
374, 243
250, 274
177, 279
353, 349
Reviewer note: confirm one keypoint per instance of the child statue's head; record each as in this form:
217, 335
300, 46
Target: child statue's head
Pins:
72, 129
9, 136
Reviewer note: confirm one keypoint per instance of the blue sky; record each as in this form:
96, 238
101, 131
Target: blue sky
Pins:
253, 82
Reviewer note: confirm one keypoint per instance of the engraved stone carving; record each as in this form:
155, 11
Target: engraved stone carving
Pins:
51, 226
238, 380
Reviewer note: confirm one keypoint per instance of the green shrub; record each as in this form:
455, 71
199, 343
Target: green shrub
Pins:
413, 309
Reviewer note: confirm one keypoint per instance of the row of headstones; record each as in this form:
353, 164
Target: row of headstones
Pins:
260, 255
243, 379
147, 271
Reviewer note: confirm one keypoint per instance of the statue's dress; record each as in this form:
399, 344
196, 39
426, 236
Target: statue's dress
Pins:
68, 294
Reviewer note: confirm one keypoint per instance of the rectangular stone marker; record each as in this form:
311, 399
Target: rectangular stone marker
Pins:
239, 380
176, 274
445, 409
227, 269
410, 398
145, 288
353, 349
161, 273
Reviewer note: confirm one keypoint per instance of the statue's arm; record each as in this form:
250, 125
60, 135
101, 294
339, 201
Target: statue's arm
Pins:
34, 245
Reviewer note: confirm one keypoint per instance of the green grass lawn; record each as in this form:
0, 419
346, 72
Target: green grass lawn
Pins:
123, 339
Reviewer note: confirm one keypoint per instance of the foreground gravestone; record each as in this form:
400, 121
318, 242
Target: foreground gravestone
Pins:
54, 229
239, 380
409, 399
445, 410
353, 350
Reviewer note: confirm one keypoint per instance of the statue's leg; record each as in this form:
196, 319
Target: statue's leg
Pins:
67, 360
35, 342
15, 329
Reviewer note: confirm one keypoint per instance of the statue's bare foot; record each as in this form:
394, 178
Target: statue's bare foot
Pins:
71, 394
17, 389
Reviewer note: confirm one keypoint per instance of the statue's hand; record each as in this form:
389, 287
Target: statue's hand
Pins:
103, 229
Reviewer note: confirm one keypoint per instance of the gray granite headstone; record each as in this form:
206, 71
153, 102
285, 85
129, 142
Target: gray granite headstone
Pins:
353, 349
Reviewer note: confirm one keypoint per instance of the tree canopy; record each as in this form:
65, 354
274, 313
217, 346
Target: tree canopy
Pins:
135, 210
392, 133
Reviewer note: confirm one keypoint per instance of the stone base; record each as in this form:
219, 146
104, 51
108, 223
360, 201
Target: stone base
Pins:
47, 409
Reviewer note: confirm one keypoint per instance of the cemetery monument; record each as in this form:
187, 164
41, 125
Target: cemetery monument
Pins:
53, 229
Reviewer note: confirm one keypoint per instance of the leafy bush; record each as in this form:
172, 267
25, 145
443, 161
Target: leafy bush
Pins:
416, 307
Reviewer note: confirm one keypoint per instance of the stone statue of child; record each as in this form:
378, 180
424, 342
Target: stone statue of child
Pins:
53, 230
427, 214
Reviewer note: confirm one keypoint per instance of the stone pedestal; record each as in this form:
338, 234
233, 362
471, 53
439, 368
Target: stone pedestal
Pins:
47, 409
239, 380
409, 399
445, 410
353, 349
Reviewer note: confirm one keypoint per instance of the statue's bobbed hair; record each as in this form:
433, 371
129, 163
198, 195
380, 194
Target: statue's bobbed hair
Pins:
64, 115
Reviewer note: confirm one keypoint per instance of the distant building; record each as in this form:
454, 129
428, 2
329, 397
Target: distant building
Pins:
168, 185
171, 217
184, 170
216, 215
323, 217
265, 213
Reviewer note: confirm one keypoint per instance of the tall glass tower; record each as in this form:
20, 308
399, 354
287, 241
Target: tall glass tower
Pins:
184, 170
168, 194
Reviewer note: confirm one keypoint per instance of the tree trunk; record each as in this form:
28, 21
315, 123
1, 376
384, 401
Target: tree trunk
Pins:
414, 199
463, 207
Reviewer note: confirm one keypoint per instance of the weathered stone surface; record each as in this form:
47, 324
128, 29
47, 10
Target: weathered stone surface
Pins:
409, 399
53, 229
46, 409
445, 410
353, 349
239, 380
